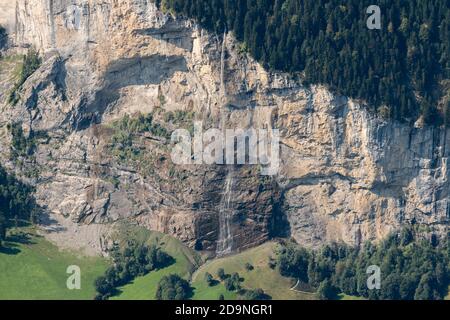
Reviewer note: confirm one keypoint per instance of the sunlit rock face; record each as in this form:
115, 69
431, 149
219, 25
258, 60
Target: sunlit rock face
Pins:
7, 15
345, 175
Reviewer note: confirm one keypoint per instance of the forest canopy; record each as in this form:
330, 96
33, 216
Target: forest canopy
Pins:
398, 70
411, 267
16, 201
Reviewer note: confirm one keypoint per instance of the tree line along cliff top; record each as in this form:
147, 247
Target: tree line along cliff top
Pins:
400, 70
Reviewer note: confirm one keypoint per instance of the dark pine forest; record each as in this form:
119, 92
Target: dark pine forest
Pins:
401, 70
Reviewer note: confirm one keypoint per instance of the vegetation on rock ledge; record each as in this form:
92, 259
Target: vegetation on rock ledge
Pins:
31, 62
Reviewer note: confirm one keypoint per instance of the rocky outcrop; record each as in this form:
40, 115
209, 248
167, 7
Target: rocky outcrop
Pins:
345, 174
349, 175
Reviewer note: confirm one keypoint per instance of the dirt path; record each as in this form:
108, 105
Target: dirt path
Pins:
300, 291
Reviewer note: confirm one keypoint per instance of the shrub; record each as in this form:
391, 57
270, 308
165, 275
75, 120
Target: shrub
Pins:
209, 279
326, 290
233, 283
21, 146
178, 116
221, 274
272, 263
229, 285
125, 129
173, 287
103, 288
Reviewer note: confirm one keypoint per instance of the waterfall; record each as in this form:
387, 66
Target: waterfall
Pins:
225, 241
222, 65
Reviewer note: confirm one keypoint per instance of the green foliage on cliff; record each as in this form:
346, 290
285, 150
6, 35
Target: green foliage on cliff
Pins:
31, 62
178, 116
140, 124
127, 128
411, 268
16, 201
21, 146
400, 66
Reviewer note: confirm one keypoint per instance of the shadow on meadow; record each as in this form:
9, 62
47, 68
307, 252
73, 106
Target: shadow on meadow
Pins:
16, 237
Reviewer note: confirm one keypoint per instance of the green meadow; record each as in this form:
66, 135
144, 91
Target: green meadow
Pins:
34, 269
189, 265
144, 288
262, 276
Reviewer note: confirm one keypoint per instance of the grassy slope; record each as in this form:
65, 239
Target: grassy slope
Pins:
144, 288
261, 277
10, 67
343, 296
38, 271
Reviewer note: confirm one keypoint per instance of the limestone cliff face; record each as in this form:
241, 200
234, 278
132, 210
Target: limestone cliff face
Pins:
345, 174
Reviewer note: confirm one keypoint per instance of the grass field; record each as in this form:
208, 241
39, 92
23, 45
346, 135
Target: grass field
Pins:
144, 288
187, 261
343, 296
262, 276
33, 268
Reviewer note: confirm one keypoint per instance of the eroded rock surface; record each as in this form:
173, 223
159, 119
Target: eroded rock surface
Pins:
345, 174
